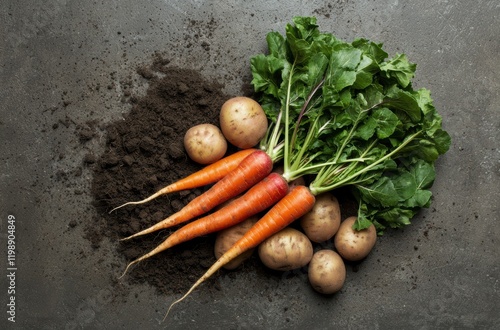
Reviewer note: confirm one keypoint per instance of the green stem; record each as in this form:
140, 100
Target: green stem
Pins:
346, 140
317, 186
286, 155
351, 132
299, 158
304, 107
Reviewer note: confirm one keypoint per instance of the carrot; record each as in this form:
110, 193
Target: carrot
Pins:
209, 174
295, 204
258, 198
251, 170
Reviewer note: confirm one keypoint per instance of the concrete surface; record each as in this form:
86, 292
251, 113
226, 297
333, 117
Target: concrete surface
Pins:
58, 56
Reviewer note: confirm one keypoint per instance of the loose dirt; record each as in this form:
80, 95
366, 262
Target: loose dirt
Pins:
143, 153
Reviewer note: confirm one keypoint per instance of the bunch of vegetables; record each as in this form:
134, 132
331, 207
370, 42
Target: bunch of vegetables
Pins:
340, 114
360, 122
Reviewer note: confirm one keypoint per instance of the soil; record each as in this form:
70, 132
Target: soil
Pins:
143, 153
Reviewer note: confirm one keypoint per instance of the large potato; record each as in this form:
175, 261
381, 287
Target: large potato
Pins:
243, 122
205, 143
227, 237
354, 245
323, 221
327, 271
286, 250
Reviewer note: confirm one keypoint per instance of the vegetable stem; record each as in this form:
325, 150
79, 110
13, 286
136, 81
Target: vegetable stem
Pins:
286, 155
317, 186
303, 110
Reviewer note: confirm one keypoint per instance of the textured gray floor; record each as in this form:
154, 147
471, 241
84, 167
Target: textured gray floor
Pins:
57, 57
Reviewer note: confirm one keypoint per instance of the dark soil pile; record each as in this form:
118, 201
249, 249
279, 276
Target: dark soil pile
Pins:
144, 153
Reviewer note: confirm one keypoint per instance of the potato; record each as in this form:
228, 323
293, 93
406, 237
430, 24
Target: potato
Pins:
286, 250
227, 237
243, 122
323, 221
354, 245
327, 271
205, 143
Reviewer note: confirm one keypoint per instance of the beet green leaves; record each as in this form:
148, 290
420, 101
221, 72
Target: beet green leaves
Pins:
347, 115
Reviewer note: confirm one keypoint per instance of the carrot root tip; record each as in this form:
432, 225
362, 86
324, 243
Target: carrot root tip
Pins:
168, 311
174, 303
119, 207
127, 268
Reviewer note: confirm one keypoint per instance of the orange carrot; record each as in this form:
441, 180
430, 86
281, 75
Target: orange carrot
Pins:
257, 199
295, 204
209, 174
251, 170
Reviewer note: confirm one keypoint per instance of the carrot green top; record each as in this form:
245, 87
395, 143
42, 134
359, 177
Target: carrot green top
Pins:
348, 115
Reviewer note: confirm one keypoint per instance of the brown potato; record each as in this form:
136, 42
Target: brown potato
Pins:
288, 249
327, 271
205, 143
354, 245
227, 237
322, 222
243, 122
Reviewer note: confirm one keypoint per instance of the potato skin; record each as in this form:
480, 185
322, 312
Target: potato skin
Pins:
227, 237
286, 250
354, 245
322, 222
205, 143
327, 272
243, 122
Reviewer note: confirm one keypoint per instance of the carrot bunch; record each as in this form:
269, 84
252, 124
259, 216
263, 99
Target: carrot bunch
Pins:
264, 191
342, 114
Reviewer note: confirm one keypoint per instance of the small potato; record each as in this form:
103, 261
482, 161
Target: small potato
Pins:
354, 245
323, 221
243, 122
327, 271
227, 237
205, 143
286, 250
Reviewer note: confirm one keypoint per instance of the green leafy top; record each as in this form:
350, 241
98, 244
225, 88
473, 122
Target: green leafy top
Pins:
347, 114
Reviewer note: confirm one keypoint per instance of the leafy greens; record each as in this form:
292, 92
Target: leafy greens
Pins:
348, 115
